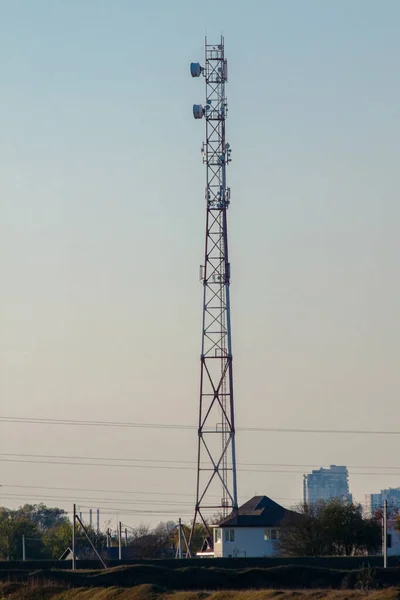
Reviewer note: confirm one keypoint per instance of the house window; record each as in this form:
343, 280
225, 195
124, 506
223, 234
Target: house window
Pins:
389, 540
229, 535
271, 534
217, 535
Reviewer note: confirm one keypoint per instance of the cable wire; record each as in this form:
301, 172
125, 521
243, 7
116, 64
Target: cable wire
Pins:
174, 461
167, 467
175, 426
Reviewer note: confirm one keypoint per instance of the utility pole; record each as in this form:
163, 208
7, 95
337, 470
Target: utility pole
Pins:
385, 534
90, 541
108, 537
73, 539
120, 541
180, 538
126, 537
23, 548
90, 518
98, 521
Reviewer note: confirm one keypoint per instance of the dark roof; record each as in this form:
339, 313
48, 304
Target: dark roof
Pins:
259, 511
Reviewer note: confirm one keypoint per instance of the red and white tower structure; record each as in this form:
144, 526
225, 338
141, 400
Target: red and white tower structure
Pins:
216, 489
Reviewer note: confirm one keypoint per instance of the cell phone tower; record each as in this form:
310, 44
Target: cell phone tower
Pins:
216, 464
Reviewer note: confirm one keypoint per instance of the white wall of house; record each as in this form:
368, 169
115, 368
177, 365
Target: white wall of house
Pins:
245, 541
393, 541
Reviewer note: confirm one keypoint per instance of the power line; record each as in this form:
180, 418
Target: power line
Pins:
92, 464
167, 467
107, 510
71, 489
124, 511
95, 490
112, 510
133, 502
176, 426
95, 501
121, 509
108, 458
174, 461
77, 422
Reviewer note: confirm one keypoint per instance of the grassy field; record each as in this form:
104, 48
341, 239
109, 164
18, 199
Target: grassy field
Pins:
202, 577
150, 582
16, 591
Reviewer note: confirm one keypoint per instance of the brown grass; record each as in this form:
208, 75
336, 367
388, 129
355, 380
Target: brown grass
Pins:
16, 591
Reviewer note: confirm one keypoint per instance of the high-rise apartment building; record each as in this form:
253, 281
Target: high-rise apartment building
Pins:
374, 502
326, 484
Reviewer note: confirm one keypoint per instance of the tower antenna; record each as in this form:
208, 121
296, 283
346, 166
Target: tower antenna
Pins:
216, 463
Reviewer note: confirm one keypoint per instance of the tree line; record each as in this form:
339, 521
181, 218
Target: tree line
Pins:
323, 529
330, 528
45, 530
47, 534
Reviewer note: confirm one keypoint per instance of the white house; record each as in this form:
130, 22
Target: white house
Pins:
252, 532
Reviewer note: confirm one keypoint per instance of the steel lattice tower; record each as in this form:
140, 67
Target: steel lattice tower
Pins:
216, 467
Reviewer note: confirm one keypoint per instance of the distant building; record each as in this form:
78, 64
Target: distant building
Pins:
326, 484
252, 532
374, 502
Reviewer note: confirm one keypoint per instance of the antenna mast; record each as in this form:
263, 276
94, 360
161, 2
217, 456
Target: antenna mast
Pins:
216, 465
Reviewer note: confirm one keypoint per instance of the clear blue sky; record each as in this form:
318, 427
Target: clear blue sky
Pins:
101, 233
